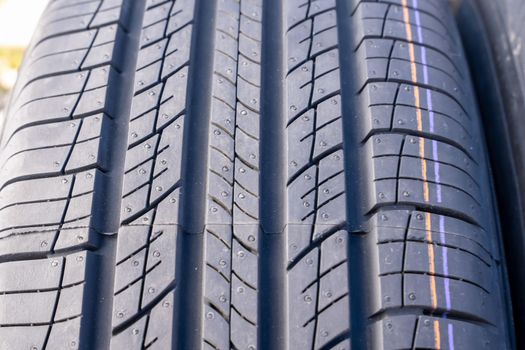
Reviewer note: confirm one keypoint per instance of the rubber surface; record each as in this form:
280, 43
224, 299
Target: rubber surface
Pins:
213, 174
494, 35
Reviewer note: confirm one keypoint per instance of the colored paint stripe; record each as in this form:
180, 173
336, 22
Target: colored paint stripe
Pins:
435, 155
426, 194
450, 336
437, 338
437, 175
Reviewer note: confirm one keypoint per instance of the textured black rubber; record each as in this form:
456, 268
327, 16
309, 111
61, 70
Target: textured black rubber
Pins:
248, 174
494, 37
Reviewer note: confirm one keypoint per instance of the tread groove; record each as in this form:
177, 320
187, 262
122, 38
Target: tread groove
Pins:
108, 188
272, 331
188, 321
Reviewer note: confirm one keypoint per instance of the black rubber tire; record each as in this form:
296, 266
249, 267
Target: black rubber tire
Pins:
494, 36
214, 174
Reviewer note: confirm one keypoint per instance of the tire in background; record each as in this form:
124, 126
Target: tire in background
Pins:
247, 174
493, 34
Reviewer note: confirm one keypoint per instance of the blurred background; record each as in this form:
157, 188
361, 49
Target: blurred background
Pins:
18, 19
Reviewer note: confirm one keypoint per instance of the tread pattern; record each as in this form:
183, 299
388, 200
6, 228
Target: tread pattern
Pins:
51, 160
231, 237
422, 135
146, 245
390, 238
317, 239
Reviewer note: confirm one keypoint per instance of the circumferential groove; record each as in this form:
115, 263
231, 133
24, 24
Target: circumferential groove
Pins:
97, 319
188, 328
272, 297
